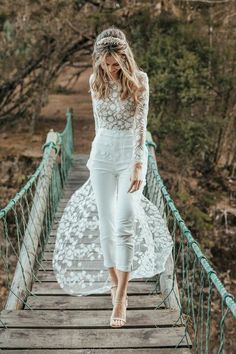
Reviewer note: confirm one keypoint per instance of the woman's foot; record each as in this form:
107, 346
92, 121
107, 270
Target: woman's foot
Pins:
118, 317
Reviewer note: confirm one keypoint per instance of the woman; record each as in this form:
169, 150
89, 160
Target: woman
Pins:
129, 238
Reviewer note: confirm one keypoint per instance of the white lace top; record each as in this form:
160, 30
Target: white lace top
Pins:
115, 113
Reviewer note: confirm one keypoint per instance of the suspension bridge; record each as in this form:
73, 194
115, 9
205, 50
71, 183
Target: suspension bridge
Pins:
175, 312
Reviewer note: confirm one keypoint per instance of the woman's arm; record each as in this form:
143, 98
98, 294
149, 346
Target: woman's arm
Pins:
140, 135
141, 123
95, 115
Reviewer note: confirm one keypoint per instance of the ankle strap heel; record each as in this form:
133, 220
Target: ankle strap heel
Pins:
123, 318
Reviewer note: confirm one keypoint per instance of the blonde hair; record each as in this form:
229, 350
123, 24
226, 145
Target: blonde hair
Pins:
112, 41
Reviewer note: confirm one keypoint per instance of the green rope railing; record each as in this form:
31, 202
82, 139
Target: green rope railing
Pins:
206, 307
26, 221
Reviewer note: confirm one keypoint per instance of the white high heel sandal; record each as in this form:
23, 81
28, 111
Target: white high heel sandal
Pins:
123, 318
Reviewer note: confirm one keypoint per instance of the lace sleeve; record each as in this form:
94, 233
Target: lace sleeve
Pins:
95, 115
141, 121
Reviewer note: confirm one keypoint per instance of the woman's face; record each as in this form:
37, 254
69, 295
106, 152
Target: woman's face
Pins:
112, 65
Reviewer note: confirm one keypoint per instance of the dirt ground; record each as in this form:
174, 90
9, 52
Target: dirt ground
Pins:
21, 151
18, 141
78, 98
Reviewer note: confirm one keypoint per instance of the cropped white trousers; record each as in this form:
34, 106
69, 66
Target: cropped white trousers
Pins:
110, 164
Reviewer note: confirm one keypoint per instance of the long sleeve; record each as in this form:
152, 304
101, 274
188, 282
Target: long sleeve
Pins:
141, 122
95, 115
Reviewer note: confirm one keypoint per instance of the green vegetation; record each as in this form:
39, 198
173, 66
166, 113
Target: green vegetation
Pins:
184, 81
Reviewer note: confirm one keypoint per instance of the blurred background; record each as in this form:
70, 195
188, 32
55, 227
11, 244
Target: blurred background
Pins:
187, 49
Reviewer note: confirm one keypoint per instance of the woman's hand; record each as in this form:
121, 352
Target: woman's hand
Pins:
135, 178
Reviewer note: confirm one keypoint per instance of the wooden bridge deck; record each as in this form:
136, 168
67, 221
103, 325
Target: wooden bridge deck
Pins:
61, 323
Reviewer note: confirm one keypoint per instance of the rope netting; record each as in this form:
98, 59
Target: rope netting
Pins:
206, 308
26, 221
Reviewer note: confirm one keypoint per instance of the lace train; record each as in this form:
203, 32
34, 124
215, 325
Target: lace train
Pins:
77, 257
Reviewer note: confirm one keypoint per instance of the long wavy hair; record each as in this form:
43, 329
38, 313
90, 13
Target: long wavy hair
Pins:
112, 41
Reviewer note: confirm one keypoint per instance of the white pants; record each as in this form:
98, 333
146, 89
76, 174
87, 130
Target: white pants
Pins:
110, 165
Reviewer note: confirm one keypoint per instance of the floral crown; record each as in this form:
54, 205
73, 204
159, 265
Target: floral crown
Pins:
110, 43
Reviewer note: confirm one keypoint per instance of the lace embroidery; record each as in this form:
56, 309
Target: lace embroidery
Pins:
114, 113
78, 258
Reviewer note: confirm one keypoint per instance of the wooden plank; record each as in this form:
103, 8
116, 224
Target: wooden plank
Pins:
47, 288
53, 234
51, 246
62, 203
86, 240
49, 275
73, 184
49, 255
89, 233
64, 200
60, 211
82, 163
87, 265
79, 162
73, 179
91, 302
55, 223
47, 266
89, 318
77, 174
81, 172
68, 191
95, 338
79, 157
68, 194
72, 189
78, 167
102, 351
